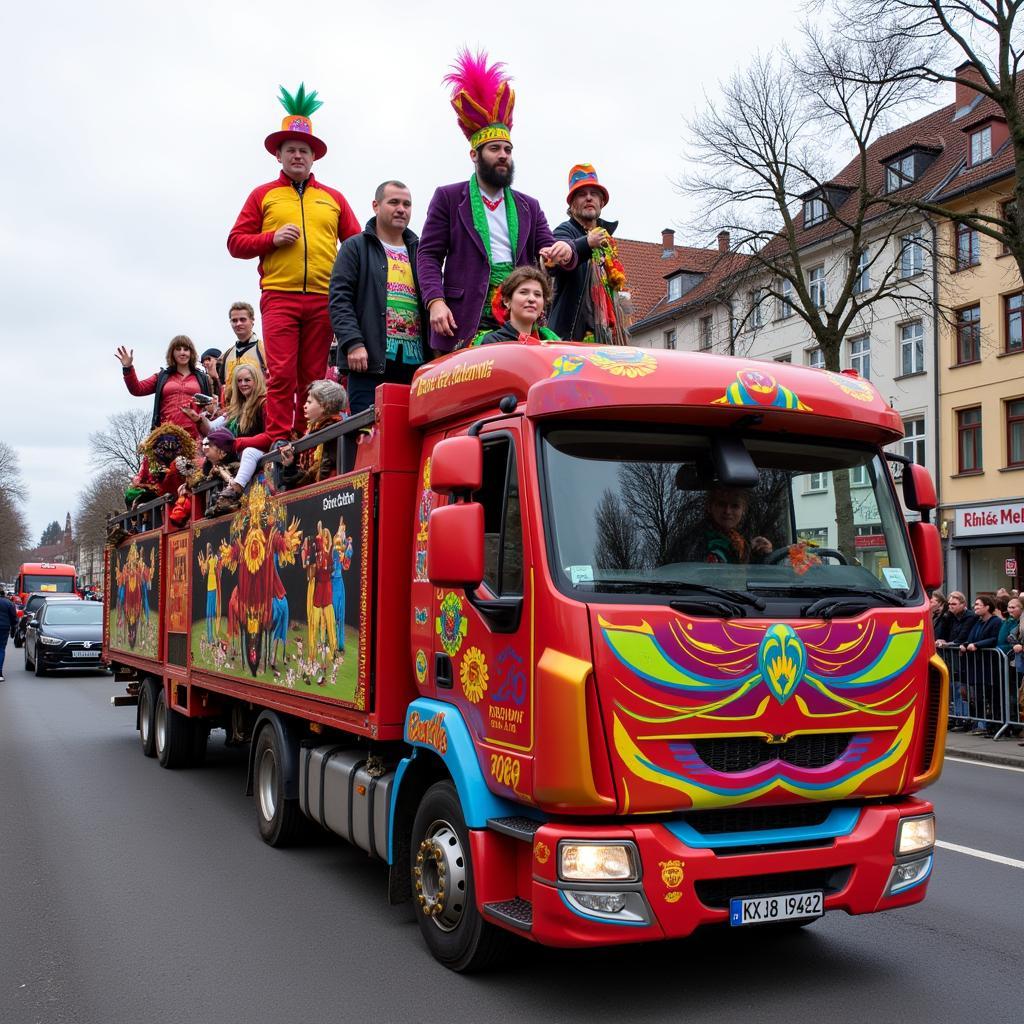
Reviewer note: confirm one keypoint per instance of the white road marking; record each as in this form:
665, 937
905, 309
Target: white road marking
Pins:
984, 764
994, 857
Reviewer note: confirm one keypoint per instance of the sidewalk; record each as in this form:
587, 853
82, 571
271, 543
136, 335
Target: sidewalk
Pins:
981, 748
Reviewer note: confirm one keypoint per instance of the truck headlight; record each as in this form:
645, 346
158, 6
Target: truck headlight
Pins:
596, 862
915, 835
51, 641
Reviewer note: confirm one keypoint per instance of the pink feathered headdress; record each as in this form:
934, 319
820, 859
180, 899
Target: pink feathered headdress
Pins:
482, 98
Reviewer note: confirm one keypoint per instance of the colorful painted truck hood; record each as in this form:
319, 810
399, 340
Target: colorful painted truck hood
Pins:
701, 713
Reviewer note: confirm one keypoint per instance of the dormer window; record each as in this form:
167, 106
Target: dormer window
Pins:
981, 145
815, 211
675, 287
900, 173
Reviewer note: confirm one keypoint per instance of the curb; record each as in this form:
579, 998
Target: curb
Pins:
1009, 760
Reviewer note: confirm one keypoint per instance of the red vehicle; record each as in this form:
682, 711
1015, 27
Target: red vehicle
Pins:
580, 642
45, 578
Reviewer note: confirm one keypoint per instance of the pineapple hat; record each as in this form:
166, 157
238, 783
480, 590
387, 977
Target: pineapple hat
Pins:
296, 123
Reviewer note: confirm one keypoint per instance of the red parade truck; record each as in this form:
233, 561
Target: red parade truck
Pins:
582, 642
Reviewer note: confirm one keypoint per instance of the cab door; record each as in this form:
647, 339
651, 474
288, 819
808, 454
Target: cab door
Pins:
484, 661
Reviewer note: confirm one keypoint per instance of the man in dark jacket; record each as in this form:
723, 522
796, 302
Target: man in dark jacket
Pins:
8, 622
572, 311
961, 623
374, 300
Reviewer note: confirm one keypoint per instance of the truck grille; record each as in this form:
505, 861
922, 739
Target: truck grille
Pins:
742, 753
716, 892
757, 819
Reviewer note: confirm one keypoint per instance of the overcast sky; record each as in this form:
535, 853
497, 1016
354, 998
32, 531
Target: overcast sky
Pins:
135, 134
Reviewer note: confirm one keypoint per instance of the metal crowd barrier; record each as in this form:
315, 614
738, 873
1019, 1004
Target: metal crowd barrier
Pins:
983, 688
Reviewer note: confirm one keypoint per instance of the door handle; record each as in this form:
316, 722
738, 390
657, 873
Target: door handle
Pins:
444, 676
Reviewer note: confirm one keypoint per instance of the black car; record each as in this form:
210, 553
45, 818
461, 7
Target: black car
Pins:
33, 604
64, 634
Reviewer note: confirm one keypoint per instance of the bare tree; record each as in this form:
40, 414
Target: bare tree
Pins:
100, 497
934, 37
762, 156
14, 530
117, 446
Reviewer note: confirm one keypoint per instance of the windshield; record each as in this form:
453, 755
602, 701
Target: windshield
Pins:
73, 613
639, 512
49, 584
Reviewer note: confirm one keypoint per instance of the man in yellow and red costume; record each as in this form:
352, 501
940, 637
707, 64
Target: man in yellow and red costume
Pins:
293, 224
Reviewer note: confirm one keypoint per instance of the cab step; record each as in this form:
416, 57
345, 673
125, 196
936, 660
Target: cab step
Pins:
517, 827
517, 913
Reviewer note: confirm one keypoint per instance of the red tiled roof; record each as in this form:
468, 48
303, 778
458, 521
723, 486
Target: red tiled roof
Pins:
647, 266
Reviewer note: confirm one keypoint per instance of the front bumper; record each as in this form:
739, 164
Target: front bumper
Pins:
60, 657
687, 883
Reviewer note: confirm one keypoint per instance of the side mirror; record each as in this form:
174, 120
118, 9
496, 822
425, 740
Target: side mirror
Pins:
457, 465
927, 548
455, 545
919, 490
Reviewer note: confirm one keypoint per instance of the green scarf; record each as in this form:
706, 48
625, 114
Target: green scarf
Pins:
499, 271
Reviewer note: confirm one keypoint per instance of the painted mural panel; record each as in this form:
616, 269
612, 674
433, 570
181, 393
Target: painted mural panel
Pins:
134, 621
280, 591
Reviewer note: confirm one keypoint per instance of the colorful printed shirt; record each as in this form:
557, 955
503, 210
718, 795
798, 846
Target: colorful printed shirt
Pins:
404, 329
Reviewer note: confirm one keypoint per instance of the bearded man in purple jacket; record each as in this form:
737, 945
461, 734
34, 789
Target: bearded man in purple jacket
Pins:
477, 232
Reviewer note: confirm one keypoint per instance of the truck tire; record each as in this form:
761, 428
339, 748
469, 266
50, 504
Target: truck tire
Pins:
147, 709
442, 885
172, 734
280, 821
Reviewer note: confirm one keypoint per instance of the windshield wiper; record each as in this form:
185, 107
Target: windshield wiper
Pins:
851, 600
738, 598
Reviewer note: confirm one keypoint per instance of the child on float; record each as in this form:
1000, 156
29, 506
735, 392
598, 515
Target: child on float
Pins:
326, 404
221, 467
520, 302
243, 414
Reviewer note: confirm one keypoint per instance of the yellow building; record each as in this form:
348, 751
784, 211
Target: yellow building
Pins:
981, 379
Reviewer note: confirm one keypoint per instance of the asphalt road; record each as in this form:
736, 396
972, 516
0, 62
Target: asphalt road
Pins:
129, 893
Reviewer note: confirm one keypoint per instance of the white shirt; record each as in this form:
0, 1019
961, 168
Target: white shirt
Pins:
497, 224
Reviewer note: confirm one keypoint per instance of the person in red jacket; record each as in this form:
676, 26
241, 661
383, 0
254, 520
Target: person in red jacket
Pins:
293, 224
174, 388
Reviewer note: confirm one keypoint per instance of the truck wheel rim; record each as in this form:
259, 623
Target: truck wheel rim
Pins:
160, 721
266, 777
440, 873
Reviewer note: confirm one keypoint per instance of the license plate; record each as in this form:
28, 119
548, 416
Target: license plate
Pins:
85, 654
765, 909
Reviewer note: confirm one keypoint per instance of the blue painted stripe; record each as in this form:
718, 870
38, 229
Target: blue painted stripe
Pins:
602, 920
840, 822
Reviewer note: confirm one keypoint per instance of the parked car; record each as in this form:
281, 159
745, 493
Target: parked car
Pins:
64, 634
32, 605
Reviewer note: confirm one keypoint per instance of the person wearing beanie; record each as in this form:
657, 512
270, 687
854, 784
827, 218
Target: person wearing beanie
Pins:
221, 467
325, 405
477, 232
572, 310
293, 225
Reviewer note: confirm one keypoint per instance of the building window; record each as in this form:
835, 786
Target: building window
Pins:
816, 280
1013, 311
911, 255
758, 311
914, 440
968, 247
968, 335
859, 476
670, 338
816, 482
862, 280
785, 300
912, 348
785, 358
704, 334
981, 145
815, 211
899, 173
816, 358
968, 440
1015, 432
675, 287
860, 356
817, 535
